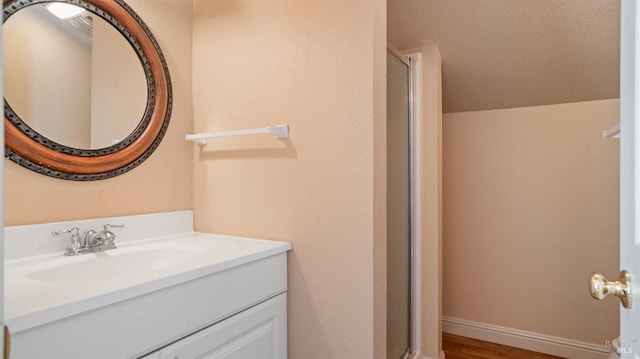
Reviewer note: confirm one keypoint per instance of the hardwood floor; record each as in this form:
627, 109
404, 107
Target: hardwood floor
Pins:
457, 347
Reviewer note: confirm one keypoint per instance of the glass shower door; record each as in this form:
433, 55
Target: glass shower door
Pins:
398, 209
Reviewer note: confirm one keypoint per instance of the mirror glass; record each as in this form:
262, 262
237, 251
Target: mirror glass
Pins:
75, 80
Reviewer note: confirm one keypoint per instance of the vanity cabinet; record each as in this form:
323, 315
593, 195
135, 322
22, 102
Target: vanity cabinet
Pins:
256, 333
190, 295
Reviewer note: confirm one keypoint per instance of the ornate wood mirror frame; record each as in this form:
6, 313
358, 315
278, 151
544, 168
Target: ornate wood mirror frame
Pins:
30, 149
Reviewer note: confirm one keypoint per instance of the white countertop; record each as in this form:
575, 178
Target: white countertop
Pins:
41, 289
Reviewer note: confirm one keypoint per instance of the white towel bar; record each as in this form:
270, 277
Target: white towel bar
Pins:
280, 131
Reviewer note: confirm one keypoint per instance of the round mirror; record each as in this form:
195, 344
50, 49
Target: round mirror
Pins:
87, 90
105, 88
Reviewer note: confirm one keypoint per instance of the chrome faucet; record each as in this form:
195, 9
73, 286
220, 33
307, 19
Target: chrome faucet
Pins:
89, 239
92, 241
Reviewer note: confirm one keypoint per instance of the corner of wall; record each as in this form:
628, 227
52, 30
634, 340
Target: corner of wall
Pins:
380, 184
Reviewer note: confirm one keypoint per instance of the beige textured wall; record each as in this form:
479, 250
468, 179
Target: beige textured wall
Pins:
162, 183
318, 66
530, 210
379, 180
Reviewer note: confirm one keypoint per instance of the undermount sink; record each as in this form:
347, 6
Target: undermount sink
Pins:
114, 263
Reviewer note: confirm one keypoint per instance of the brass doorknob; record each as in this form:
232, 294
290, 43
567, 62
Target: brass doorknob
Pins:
600, 287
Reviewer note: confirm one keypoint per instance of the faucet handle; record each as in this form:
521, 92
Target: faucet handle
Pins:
75, 231
109, 236
107, 227
74, 240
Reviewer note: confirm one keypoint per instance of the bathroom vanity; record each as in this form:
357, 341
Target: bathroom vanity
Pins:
164, 292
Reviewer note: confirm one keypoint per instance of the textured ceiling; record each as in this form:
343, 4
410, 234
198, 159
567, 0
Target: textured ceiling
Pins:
515, 53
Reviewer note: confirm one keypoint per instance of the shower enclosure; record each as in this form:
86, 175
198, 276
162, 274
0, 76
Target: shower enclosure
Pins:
399, 266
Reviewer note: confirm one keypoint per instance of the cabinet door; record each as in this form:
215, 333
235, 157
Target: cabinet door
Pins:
259, 332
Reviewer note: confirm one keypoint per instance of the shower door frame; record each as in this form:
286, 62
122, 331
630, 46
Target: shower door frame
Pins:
415, 192
413, 62
415, 195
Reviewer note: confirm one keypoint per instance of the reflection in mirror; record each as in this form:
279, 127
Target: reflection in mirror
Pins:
76, 81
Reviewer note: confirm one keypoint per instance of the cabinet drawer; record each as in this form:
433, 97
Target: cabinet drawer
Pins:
259, 332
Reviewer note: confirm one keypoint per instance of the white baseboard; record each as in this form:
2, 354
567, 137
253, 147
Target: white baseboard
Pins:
420, 356
542, 343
